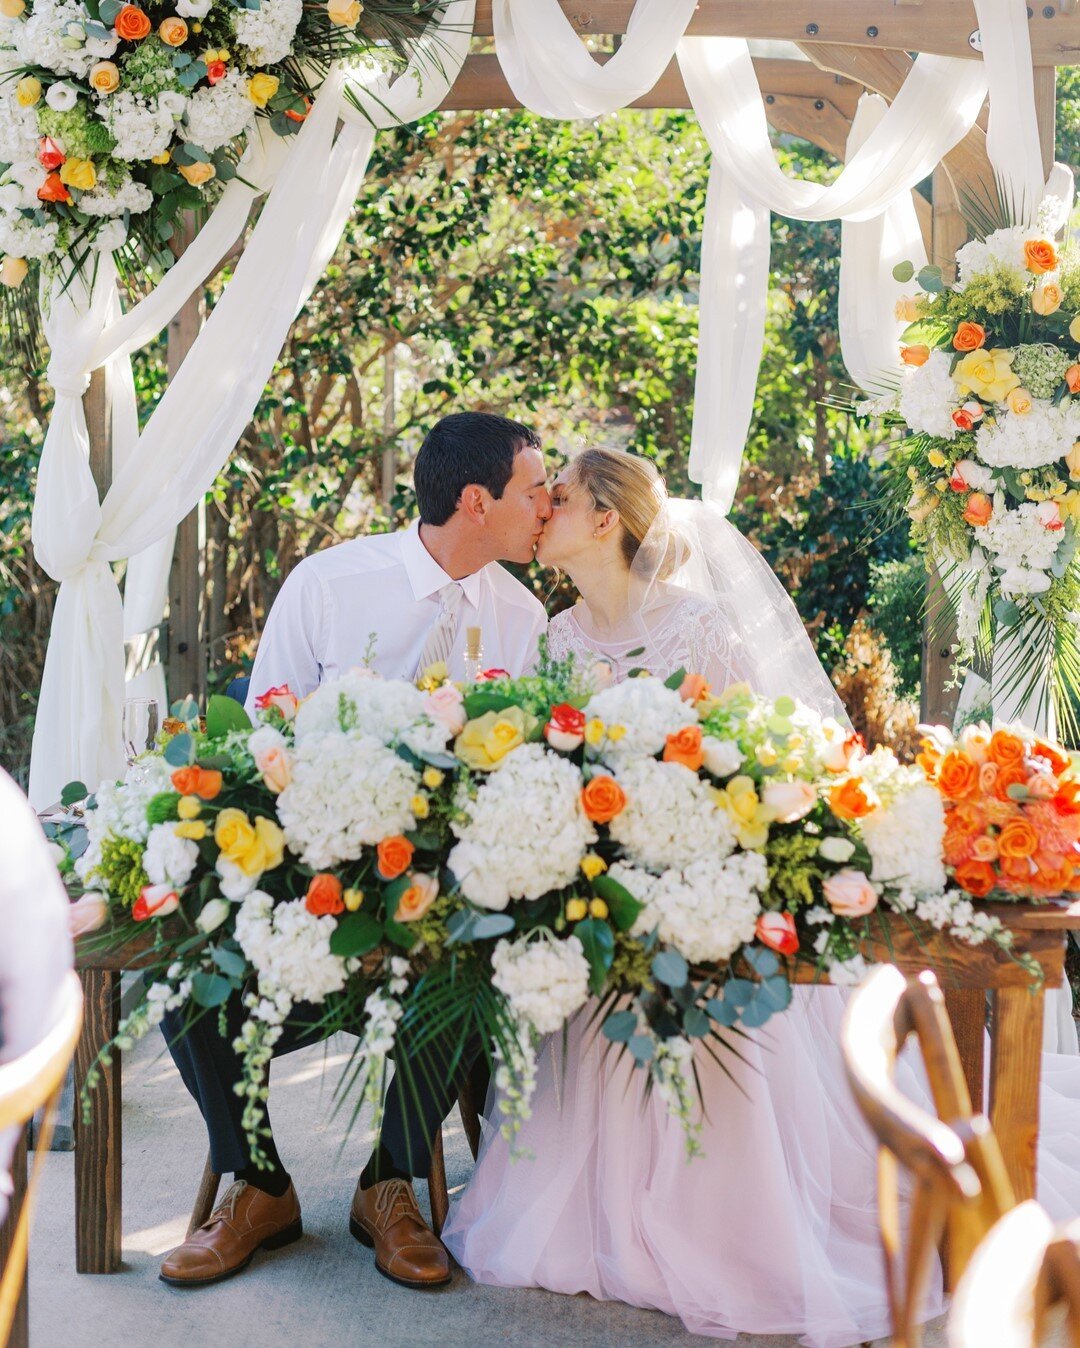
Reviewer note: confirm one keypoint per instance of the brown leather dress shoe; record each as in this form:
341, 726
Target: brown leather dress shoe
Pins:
244, 1221
387, 1220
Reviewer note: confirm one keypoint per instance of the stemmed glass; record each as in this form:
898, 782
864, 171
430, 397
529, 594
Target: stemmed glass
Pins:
141, 722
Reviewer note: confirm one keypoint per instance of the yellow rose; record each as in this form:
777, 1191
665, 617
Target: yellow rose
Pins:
767, 755
1074, 329
615, 733
598, 908
11, 9
594, 731
104, 77
353, 900
27, 91
253, 848
986, 374
189, 807
78, 173
592, 865
576, 909
1072, 459
906, 309
936, 459
345, 13
433, 677
1019, 402
433, 778
197, 174
195, 829
419, 806
1046, 297
262, 88
13, 271
487, 739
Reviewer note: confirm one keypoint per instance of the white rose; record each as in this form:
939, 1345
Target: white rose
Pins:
61, 97
193, 9
102, 47
235, 885
213, 915
789, 800
722, 757
171, 102
837, 849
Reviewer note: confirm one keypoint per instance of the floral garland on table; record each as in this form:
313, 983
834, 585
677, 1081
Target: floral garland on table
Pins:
991, 395
480, 860
116, 118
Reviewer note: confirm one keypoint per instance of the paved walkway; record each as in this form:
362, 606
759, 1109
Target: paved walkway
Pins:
323, 1290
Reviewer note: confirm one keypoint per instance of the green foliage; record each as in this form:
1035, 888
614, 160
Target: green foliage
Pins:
895, 601
120, 870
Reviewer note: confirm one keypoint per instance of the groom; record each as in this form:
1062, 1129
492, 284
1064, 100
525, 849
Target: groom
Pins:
400, 602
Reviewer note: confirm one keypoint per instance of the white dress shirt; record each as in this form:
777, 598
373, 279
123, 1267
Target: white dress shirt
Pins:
377, 598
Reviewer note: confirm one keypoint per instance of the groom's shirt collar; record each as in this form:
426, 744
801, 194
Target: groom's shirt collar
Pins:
425, 574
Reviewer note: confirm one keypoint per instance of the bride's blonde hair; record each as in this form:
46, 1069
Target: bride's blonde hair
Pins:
620, 481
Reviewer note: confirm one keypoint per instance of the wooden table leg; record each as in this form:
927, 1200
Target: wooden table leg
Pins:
98, 1145
967, 1012
437, 1195
205, 1198
1015, 1069
20, 1326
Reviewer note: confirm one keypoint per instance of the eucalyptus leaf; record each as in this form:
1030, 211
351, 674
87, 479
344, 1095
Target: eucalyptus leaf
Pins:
761, 960
73, 793
722, 1011
669, 967
641, 1046
620, 1026
903, 272
696, 1023
180, 751
210, 989
230, 962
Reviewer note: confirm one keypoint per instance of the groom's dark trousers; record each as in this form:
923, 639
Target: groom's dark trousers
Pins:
418, 1098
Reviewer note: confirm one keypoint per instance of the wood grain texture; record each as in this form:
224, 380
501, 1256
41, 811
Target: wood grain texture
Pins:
205, 1198
437, 1195
1015, 1065
967, 1015
97, 409
19, 1336
98, 1146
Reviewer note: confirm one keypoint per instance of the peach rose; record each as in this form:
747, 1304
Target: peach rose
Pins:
906, 309
843, 750
1018, 839
447, 706
345, 13
1072, 382
131, 24
789, 801
87, 914
197, 174
685, 747
777, 931
975, 740
1042, 787
984, 849
1040, 255
324, 895
853, 799
422, 892
969, 337
13, 272
915, 355
958, 776
1046, 298
693, 688
602, 799
979, 509
850, 894
173, 31
1018, 401
275, 765
977, 877
394, 856
988, 775
104, 77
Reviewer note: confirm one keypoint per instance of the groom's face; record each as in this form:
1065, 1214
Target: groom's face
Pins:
516, 519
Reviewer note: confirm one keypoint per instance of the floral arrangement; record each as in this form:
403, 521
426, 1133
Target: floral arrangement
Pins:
116, 118
483, 859
991, 395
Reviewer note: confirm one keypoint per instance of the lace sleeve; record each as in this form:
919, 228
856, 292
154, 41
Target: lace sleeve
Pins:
561, 634
713, 647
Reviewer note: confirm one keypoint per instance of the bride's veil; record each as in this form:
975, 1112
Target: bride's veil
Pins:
693, 547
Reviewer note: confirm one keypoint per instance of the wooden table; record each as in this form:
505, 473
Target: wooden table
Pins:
966, 974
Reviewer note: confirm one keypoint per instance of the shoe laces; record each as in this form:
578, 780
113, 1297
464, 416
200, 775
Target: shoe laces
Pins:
226, 1209
395, 1199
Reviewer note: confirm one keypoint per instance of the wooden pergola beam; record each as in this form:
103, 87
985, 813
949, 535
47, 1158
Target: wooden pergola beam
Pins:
942, 27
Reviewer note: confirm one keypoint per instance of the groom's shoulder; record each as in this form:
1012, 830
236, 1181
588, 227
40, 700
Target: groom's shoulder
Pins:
509, 590
356, 556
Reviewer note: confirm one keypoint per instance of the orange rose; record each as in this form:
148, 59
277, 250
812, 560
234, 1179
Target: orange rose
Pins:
1040, 255
173, 31
1018, 839
978, 510
394, 856
1005, 749
602, 799
1072, 378
1010, 775
969, 337
685, 747
1018, 870
417, 899
52, 189
915, 355
977, 877
324, 895
693, 688
929, 757
985, 849
1058, 761
988, 775
958, 776
196, 781
131, 24
852, 799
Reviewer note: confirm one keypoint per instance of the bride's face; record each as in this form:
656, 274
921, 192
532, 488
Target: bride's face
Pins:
570, 530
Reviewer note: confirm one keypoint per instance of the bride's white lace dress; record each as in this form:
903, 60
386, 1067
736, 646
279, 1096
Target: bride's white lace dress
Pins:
774, 1229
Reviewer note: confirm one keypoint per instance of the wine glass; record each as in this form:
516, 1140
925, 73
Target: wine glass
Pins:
140, 726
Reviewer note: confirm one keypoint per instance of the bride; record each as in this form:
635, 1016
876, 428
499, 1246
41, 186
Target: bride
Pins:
774, 1230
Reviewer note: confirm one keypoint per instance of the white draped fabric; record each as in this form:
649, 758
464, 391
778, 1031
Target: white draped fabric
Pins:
163, 473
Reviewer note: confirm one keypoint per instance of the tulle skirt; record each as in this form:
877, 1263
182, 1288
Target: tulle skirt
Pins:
772, 1231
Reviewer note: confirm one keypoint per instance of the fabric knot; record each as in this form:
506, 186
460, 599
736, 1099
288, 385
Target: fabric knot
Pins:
67, 385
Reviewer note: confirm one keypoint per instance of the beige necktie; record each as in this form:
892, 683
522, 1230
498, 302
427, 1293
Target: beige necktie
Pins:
440, 640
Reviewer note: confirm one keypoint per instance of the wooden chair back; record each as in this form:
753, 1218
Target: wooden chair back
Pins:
27, 1083
953, 1157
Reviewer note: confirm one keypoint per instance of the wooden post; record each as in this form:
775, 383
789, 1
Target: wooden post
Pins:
389, 456
1046, 113
97, 408
20, 1325
186, 671
98, 1149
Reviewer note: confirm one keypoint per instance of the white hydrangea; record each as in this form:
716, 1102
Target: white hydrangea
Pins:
670, 817
267, 32
1003, 248
347, 792
928, 397
545, 980
525, 833
39, 38
121, 809
169, 860
387, 710
905, 835
109, 237
648, 710
141, 127
706, 910
129, 196
289, 948
218, 113
1037, 438
20, 237
18, 129
1022, 547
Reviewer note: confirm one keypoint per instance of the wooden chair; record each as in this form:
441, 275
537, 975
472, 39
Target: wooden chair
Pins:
1014, 1266
27, 1083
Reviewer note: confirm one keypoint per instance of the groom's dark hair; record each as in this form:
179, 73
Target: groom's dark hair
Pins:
466, 448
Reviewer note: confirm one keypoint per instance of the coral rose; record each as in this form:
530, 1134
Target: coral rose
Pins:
915, 355
1059, 762
1012, 774
195, 781
1018, 839
1040, 255
969, 337
602, 799
131, 24
853, 799
977, 877
422, 892
1072, 381
1005, 749
283, 698
52, 189
958, 775
155, 901
850, 894
685, 747
394, 856
693, 688
979, 510
173, 31
777, 931
324, 895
